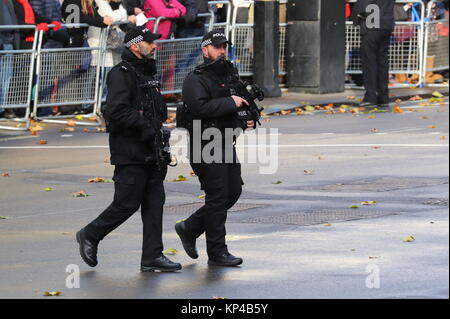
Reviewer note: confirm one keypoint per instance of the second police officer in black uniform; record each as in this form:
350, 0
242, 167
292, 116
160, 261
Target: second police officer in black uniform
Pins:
134, 114
210, 104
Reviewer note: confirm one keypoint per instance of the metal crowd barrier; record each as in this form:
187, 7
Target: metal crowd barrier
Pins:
242, 39
405, 52
16, 79
68, 77
436, 50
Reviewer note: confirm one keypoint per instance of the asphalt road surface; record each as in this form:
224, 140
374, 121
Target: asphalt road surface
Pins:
303, 229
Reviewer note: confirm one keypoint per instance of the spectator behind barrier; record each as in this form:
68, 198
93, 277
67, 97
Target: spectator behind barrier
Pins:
133, 7
114, 9
9, 40
88, 15
190, 25
51, 10
170, 9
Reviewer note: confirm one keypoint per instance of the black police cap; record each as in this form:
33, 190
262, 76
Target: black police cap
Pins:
214, 37
139, 34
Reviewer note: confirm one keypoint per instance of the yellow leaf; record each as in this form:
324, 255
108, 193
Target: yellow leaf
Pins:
80, 194
354, 206
309, 108
409, 239
79, 117
180, 178
42, 142
52, 293
437, 94
170, 251
328, 225
202, 196
48, 189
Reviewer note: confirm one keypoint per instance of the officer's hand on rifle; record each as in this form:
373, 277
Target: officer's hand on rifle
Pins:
240, 102
148, 134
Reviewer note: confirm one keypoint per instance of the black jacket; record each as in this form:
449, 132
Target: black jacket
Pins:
386, 12
207, 98
77, 35
130, 5
123, 111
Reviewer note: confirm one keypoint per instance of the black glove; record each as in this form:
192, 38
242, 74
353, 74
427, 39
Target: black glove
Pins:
148, 134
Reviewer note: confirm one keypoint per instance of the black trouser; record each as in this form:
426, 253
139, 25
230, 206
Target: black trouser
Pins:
222, 184
375, 65
135, 186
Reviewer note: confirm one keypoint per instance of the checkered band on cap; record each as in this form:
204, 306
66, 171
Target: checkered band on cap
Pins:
138, 39
206, 43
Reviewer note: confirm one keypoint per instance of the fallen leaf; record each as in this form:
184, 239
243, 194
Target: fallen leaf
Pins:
369, 202
180, 178
86, 130
374, 130
66, 233
93, 118
42, 142
329, 106
437, 94
68, 129
71, 123
309, 108
6, 175
285, 112
308, 172
52, 293
374, 257
371, 117
354, 206
376, 147
415, 98
96, 180
80, 194
101, 129
435, 100
328, 225
48, 189
277, 182
398, 101
170, 251
3, 217
409, 239
321, 158
443, 137
79, 117
397, 109
193, 174
433, 126
351, 97
215, 297
355, 110
202, 196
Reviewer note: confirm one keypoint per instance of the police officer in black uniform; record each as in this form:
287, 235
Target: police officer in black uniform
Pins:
209, 103
375, 48
134, 114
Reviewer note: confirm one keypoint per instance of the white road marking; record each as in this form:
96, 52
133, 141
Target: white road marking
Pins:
239, 146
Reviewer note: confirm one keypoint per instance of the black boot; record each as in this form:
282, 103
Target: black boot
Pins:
225, 259
187, 241
161, 263
88, 249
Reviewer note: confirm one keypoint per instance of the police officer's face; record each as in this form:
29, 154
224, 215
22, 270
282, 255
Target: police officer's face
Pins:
214, 52
145, 49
